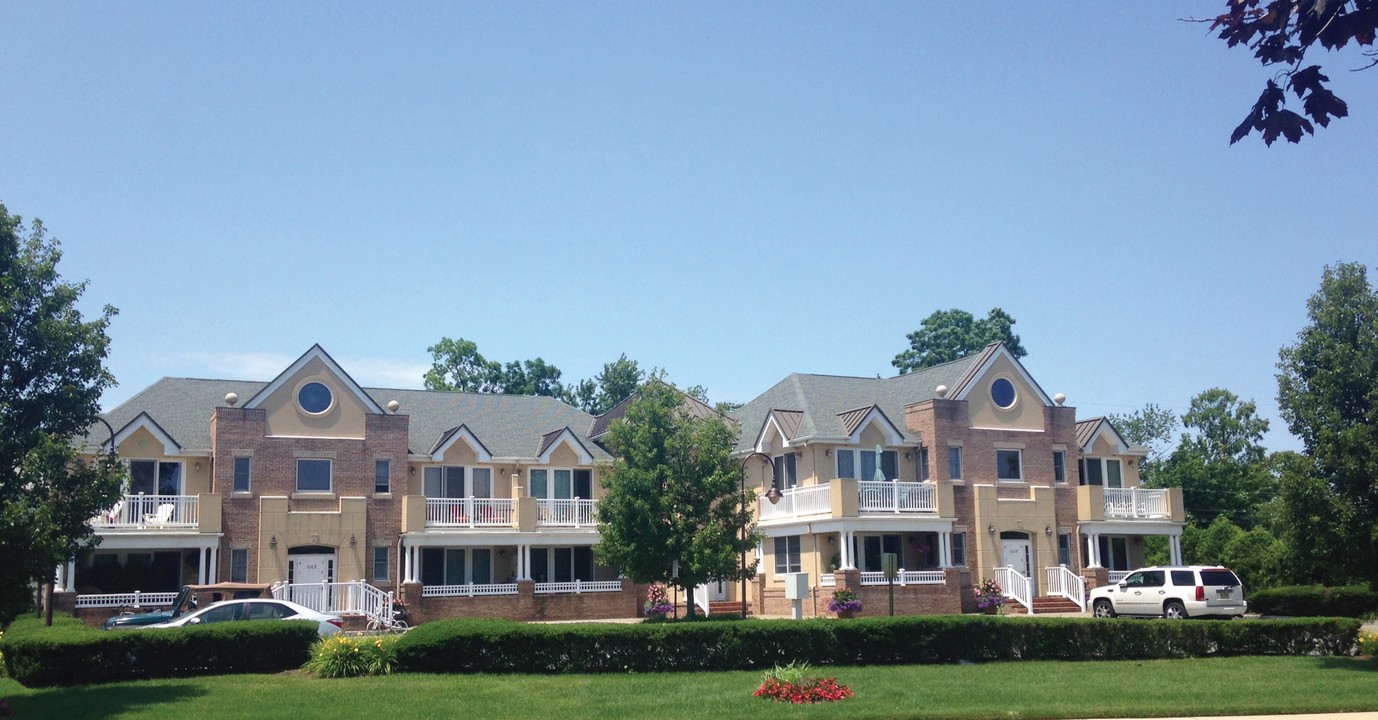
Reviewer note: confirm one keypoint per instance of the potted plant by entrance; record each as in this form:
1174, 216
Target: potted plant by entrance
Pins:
990, 597
845, 603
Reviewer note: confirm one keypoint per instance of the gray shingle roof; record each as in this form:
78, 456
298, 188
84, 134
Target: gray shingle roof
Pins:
827, 400
508, 425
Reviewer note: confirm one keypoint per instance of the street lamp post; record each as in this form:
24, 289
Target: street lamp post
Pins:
773, 495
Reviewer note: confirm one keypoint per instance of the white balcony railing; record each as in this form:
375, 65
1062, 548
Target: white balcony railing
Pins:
470, 512
1136, 503
135, 599
470, 590
1117, 575
573, 513
145, 512
796, 501
897, 497
578, 586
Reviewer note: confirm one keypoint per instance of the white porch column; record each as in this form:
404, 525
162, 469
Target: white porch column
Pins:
526, 562
214, 572
1174, 548
848, 562
945, 549
1093, 547
70, 576
407, 571
202, 558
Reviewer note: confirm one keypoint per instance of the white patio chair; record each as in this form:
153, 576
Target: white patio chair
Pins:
161, 517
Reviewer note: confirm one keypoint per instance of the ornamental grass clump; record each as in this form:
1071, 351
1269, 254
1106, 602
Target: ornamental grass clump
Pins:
795, 683
339, 656
844, 601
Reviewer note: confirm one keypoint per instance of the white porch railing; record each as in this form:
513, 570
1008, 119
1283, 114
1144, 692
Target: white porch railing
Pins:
579, 586
906, 577
141, 512
574, 513
796, 501
470, 512
1136, 503
1118, 575
135, 598
470, 590
342, 598
1016, 586
1061, 582
897, 497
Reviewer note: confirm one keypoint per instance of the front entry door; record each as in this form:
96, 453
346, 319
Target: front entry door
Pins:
717, 590
1017, 554
310, 576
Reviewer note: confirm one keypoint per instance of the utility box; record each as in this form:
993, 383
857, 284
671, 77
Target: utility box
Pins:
796, 586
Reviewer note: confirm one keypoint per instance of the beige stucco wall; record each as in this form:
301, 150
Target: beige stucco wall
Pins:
1029, 515
1027, 412
143, 445
329, 529
285, 418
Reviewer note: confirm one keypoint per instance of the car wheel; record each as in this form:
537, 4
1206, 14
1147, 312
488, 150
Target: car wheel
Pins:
1103, 609
1173, 610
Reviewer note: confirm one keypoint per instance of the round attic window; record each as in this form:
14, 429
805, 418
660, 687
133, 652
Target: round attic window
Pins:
1002, 392
314, 398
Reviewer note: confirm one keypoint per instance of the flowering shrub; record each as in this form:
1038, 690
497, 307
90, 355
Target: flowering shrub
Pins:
339, 656
1368, 643
658, 601
989, 594
793, 683
844, 601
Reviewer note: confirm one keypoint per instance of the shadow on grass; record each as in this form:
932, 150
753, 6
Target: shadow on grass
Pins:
1362, 664
99, 701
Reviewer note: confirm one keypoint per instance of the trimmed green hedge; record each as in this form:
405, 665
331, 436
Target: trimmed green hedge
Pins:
1315, 601
496, 646
72, 653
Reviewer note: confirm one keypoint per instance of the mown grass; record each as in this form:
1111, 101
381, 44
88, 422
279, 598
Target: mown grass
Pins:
1218, 686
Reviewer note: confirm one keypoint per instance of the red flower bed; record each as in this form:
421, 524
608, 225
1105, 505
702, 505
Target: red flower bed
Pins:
811, 691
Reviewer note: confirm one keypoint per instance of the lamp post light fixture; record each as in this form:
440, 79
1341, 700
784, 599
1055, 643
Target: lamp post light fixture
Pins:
773, 495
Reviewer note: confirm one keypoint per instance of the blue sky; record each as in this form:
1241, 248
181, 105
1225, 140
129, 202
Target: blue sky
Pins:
731, 192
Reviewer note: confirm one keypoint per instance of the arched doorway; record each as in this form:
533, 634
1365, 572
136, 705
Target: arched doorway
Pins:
1016, 551
310, 572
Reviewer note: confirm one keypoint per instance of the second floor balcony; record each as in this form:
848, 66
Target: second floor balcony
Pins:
524, 514
1096, 503
852, 498
197, 513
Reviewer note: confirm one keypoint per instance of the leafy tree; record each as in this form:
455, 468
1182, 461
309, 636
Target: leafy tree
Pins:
1152, 427
1328, 395
949, 335
672, 495
52, 373
616, 383
458, 366
1280, 32
1310, 521
531, 377
1255, 555
1220, 465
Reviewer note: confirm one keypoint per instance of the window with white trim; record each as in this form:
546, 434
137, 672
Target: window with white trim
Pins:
1100, 471
456, 566
241, 474
313, 475
443, 482
1060, 467
954, 463
959, 549
847, 464
239, 565
1064, 549
382, 477
1009, 465
562, 564
923, 465
381, 561
787, 555
155, 477
786, 471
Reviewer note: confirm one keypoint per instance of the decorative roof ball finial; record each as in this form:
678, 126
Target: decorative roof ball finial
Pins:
941, 390
1059, 399
231, 399
393, 405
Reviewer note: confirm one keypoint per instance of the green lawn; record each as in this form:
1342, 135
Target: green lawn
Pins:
1221, 686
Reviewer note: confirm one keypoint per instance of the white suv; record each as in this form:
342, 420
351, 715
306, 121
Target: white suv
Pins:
1173, 592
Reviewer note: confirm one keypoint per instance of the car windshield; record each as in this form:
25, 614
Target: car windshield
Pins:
1221, 577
